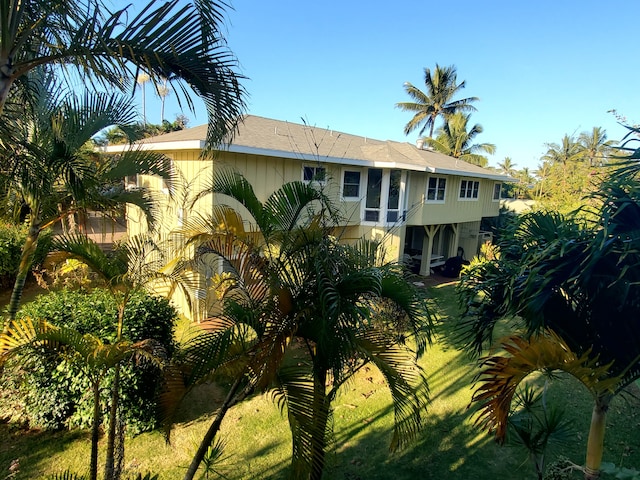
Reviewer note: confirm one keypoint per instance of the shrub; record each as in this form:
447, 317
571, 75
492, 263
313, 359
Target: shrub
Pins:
57, 394
12, 238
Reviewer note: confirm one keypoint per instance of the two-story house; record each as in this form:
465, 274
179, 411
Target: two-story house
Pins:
423, 205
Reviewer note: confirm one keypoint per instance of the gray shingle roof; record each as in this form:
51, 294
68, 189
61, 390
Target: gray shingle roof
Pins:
265, 136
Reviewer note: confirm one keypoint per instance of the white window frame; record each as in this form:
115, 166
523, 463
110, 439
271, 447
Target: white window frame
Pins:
464, 183
383, 209
499, 185
315, 169
437, 188
359, 194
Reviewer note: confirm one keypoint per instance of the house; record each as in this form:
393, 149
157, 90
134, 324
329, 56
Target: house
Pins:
423, 205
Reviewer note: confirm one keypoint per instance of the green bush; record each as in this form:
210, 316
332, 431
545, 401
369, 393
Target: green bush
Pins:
12, 239
57, 394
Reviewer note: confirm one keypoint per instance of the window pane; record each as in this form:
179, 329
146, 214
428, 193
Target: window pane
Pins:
308, 174
351, 184
394, 190
374, 188
371, 215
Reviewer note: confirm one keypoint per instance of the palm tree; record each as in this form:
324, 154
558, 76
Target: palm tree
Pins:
166, 39
595, 146
295, 291
564, 276
47, 172
438, 100
507, 166
94, 357
142, 80
456, 141
131, 267
163, 91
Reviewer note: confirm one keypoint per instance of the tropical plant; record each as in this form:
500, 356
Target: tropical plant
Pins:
181, 41
302, 314
455, 140
49, 172
87, 351
133, 265
596, 148
507, 166
437, 101
578, 280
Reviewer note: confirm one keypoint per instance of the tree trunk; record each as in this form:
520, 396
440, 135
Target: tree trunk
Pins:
320, 419
95, 432
26, 260
6, 80
208, 438
109, 463
595, 443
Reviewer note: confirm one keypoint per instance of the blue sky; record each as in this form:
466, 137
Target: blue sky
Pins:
541, 69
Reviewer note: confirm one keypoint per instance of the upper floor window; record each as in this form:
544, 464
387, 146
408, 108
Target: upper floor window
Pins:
384, 196
436, 187
350, 184
469, 189
497, 187
314, 174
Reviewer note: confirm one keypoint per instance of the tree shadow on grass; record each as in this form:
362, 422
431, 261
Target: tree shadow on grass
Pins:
31, 447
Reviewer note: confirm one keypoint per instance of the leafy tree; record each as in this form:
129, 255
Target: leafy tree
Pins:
301, 314
438, 100
175, 40
573, 283
49, 174
455, 140
595, 146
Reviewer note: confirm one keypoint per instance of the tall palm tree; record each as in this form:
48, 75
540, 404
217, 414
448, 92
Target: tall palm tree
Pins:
173, 39
142, 79
437, 101
456, 141
47, 172
596, 146
300, 293
507, 166
567, 276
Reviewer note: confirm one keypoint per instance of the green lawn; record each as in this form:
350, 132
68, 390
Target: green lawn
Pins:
258, 443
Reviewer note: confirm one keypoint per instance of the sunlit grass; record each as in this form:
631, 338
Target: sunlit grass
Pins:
258, 443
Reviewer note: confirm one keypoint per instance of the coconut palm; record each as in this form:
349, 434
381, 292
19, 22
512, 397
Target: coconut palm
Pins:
295, 291
48, 172
595, 146
173, 39
565, 275
507, 166
94, 357
455, 140
437, 101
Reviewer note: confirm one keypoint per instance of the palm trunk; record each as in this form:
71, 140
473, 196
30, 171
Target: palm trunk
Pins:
595, 443
26, 260
5, 81
95, 430
230, 400
109, 463
320, 419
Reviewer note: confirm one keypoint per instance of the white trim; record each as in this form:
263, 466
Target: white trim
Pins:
493, 193
359, 195
426, 192
469, 199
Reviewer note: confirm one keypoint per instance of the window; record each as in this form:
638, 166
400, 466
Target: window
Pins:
384, 196
497, 187
435, 189
350, 184
131, 181
393, 199
469, 189
374, 193
313, 174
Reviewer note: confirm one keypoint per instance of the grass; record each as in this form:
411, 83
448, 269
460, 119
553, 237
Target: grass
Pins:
258, 442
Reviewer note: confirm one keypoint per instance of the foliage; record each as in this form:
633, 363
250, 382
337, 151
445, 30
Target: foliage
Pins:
303, 315
116, 135
577, 279
56, 390
620, 472
12, 238
437, 101
455, 139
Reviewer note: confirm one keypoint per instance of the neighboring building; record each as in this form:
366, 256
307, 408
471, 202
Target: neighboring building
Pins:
423, 205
